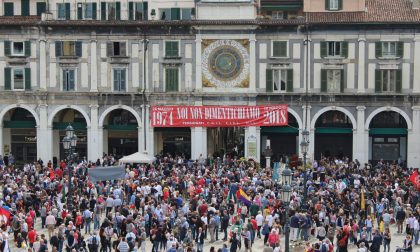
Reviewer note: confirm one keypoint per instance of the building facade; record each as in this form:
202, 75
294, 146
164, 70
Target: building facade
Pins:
102, 66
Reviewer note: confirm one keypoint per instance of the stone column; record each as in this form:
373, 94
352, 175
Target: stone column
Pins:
1, 139
307, 125
42, 65
93, 67
252, 64
142, 134
361, 66
101, 141
413, 140
44, 135
253, 134
198, 142
360, 137
93, 134
198, 82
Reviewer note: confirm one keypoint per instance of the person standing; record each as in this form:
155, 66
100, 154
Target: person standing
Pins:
200, 240
93, 242
50, 222
376, 242
400, 217
234, 242
387, 240
225, 224
260, 219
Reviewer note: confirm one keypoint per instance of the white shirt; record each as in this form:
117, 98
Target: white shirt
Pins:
260, 219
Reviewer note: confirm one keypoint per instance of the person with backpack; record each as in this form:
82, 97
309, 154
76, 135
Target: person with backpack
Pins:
93, 242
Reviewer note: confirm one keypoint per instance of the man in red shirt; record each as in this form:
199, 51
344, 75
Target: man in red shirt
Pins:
32, 237
29, 221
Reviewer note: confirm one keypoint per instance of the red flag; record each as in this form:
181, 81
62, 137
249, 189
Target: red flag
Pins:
4, 215
414, 178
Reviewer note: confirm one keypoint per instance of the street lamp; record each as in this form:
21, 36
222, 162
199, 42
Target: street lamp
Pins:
69, 144
304, 148
286, 192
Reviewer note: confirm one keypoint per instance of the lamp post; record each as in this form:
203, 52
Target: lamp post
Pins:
285, 197
267, 153
304, 148
69, 144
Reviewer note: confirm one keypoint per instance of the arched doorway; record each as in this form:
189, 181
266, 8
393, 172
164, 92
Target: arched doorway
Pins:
175, 141
19, 135
333, 135
283, 140
226, 140
61, 120
388, 137
120, 133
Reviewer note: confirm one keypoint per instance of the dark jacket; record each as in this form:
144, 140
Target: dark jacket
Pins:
376, 243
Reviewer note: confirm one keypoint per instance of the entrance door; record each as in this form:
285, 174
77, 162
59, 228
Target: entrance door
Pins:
333, 145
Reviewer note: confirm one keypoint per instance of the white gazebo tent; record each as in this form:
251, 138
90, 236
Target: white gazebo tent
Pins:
136, 158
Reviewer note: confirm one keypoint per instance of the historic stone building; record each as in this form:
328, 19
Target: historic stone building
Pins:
103, 65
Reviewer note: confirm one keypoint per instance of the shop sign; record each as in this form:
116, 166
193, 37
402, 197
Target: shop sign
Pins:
219, 116
30, 139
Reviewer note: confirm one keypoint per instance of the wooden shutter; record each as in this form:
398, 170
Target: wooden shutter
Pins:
130, 11
400, 49
283, 48
123, 50
94, 10
78, 45
118, 10
67, 11
276, 49
323, 49
27, 78
289, 84
27, 45
103, 11
175, 13
378, 81
345, 49
327, 4
40, 8
269, 80
342, 82
378, 49
72, 81
123, 80
25, 7
171, 79
8, 9
7, 78
145, 10
116, 80
340, 4
79, 11
58, 48
7, 48
324, 80
398, 81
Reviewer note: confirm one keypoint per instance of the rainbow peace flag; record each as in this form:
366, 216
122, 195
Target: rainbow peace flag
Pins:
242, 196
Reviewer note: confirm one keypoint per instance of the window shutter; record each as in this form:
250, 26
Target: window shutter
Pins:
168, 80
79, 11
378, 49
7, 78
324, 80
340, 4
118, 10
123, 51
378, 82
323, 49
123, 80
103, 11
269, 80
72, 80
175, 14
58, 48
342, 81
27, 48
145, 10
289, 85
276, 49
94, 11
345, 49
79, 48
130, 11
109, 49
398, 81
175, 79
327, 4
8, 9
67, 11
25, 7
400, 49
116, 80
7, 49
283, 48
27, 78
40, 8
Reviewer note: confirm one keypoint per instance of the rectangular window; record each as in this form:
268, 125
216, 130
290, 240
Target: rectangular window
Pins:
279, 49
18, 49
186, 13
278, 15
69, 48
171, 49
112, 11
171, 79
86, 11
334, 81
388, 80
137, 10
40, 8
18, 79
68, 80
389, 49
279, 80
175, 13
8, 9
334, 4
120, 79
63, 11
116, 49
334, 49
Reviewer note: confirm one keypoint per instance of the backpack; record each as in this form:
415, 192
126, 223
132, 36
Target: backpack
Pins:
324, 248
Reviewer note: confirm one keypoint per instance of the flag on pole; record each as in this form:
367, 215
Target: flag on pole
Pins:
362, 202
414, 178
4, 215
242, 196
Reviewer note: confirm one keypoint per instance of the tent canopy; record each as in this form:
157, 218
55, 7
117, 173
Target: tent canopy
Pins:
136, 158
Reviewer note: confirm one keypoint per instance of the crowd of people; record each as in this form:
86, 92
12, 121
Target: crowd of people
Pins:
179, 205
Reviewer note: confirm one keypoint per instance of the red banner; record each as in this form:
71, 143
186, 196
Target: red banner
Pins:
219, 116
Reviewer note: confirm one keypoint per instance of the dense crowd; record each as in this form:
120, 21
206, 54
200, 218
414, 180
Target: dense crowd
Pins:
179, 205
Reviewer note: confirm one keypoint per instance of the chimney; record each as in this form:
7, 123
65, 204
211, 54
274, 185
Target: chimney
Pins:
416, 4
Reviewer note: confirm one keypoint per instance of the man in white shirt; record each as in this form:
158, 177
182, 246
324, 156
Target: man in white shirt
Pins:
109, 204
50, 223
260, 219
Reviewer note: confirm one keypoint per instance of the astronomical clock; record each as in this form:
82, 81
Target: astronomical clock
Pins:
225, 63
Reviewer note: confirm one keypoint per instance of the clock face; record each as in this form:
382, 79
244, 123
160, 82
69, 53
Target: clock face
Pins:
225, 63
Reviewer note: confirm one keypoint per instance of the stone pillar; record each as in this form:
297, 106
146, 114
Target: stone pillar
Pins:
1, 139
198, 142
101, 140
42, 65
44, 135
253, 136
93, 67
413, 140
361, 66
198, 81
93, 135
360, 137
142, 134
307, 125
252, 63
416, 74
